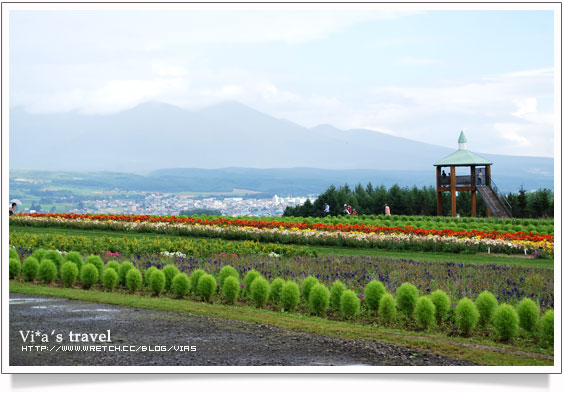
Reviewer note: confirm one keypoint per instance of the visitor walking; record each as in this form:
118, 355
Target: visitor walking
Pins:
387, 211
326, 211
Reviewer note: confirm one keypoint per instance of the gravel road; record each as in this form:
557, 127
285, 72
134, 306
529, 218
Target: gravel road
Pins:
189, 340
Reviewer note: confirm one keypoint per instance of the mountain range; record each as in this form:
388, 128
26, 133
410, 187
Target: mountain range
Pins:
153, 136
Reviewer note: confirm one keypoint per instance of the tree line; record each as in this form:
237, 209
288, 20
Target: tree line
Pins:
417, 201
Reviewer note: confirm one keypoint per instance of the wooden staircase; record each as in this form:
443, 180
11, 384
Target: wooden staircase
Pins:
497, 203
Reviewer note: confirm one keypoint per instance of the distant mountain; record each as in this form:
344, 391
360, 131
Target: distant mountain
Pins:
155, 135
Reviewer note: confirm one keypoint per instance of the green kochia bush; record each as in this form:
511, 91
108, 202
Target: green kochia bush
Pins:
319, 299
260, 289
194, 278
89, 275
227, 271
74, 257
96, 261
30, 268
466, 315
15, 267
157, 281
13, 254
290, 296
350, 304
424, 312
109, 278
307, 285
387, 308
486, 304
180, 285
337, 290
56, 257
230, 289
248, 280
546, 328
39, 254
372, 294
506, 322
47, 271
441, 302
170, 271
147, 275
114, 265
406, 297
133, 280
206, 287
276, 290
124, 267
69, 273
528, 312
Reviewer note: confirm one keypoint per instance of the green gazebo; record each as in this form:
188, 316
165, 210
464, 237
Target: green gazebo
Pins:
479, 180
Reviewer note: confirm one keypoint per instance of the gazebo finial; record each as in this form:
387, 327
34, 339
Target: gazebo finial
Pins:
462, 141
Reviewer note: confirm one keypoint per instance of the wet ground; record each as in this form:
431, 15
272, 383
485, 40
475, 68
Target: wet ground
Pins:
148, 338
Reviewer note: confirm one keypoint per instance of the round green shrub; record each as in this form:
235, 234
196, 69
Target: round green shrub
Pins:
307, 285
30, 268
194, 278
47, 271
506, 322
147, 275
124, 267
276, 290
180, 285
466, 315
387, 308
89, 275
157, 281
441, 301
13, 254
170, 271
114, 265
528, 312
96, 261
372, 294
486, 304
133, 280
319, 299
227, 271
56, 257
260, 289
290, 296
337, 290
15, 267
39, 254
109, 278
206, 287
69, 273
74, 257
424, 312
350, 304
546, 328
230, 289
248, 280
406, 297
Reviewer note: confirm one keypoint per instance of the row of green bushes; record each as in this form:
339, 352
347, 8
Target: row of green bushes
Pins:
426, 311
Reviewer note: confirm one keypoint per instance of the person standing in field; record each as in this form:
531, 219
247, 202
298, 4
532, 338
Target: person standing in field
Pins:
326, 211
387, 211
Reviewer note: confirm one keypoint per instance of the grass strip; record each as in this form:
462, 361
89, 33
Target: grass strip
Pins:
478, 259
483, 353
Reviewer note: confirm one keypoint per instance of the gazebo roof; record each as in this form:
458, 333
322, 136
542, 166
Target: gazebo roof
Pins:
463, 157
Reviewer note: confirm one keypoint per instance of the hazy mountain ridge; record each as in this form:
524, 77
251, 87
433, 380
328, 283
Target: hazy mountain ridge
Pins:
155, 135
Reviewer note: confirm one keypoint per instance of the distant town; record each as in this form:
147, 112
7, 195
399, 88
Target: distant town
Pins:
156, 203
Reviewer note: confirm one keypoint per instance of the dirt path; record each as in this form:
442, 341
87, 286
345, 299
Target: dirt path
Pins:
217, 342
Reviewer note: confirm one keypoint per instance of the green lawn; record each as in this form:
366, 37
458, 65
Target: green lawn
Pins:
499, 259
482, 352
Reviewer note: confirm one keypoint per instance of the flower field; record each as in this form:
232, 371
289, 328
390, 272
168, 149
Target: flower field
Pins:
301, 232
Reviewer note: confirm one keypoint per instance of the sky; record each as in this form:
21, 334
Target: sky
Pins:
422, 75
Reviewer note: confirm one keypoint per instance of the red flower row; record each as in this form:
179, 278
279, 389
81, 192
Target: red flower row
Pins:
301, 225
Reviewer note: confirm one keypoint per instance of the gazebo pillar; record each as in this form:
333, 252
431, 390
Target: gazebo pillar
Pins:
439, 198
473, 183
453, 190
488, 182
